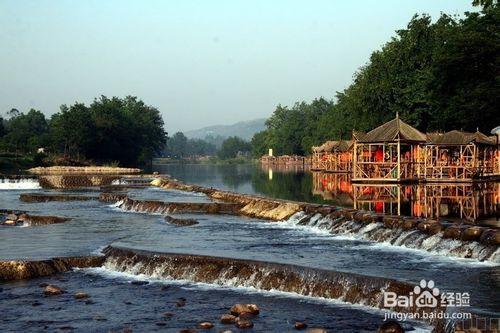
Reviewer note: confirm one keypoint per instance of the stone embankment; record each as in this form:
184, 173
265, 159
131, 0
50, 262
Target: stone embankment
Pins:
314, 282
159, 207
94, 170
22, 269
277, 210
12, 218
38, 197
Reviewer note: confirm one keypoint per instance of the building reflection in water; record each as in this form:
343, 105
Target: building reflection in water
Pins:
469, 202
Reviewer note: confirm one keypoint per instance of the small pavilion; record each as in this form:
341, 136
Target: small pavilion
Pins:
391, 152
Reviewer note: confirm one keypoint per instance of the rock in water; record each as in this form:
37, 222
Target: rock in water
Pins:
51, 290
390, 327
227, 318
206, 325
300, 325
81, 295
243, 323
238, 309
180, 222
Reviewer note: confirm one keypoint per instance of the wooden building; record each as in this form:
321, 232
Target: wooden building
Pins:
460, 156
391, 152
333, 156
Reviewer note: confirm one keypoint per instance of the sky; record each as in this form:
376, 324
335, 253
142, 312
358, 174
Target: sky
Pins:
200, 63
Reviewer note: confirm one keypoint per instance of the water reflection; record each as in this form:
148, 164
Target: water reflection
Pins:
464, 201
468, 201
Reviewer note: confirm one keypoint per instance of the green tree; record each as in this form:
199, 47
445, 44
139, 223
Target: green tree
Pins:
126, 130
177, 145
232, 147
72, 130
259, 144
25, 132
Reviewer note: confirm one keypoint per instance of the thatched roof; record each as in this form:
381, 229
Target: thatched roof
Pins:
330, 146
358, 135
393, 130
460, 138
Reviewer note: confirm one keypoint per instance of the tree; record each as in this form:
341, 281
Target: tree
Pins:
26, 132
259, 144
438, 76
72, 130
2, 127
232, 147
177, 145
126, 130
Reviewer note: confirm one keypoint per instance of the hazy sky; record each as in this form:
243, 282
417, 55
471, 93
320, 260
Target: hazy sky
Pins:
200, 62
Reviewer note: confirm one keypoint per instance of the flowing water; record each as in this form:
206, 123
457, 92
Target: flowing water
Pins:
116, 303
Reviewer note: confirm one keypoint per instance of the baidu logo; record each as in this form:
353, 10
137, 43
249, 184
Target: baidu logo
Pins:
425, 295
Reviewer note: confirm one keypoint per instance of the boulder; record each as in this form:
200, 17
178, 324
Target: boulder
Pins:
12, 217
227, 318
52, 289
390, 327
243, 323
246, 315
427, 225
410, 224
81, 295
316, 330
10, 222
237, 309
180, 302
490, 237
168, 314
453, 231
206, 325
188, 330
472, 233
180, 222
299, 325
435, 228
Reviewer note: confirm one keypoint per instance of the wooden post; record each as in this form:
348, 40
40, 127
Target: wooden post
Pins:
399, 160
355, 160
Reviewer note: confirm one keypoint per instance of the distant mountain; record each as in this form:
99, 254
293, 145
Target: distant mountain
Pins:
242, 129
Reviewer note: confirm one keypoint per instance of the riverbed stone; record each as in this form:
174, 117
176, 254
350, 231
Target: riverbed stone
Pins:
227, 318
243, 323
12, 217
410, 224
238, 309
490, 237
454, 231
52, 290
300, 325
390, 327
435, 228
472, 233
206, 325
316, 330
427, 225
81, 295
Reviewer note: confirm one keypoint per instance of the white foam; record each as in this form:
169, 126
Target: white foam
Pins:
19, 184
190, 285
434, 245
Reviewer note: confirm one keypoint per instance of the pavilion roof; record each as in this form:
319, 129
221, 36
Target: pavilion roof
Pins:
394, 130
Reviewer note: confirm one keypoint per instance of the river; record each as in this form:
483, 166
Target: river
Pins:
117, 302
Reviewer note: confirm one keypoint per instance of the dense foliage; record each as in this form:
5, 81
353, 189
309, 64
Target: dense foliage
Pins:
233, 147
438, 76
179, 146
125, 130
